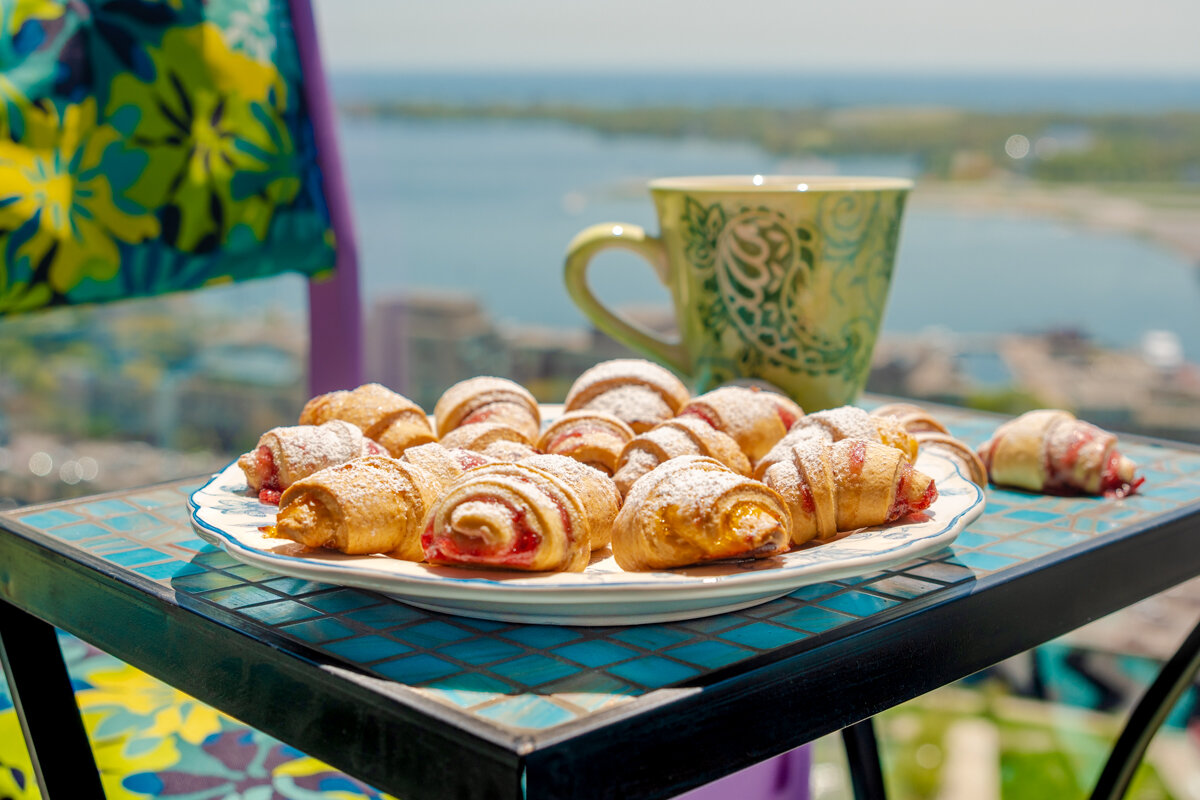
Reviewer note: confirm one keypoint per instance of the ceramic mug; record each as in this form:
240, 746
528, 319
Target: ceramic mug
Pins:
777, 278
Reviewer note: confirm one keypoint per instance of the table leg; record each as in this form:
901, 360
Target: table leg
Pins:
1146, 718
63, 764
862, 753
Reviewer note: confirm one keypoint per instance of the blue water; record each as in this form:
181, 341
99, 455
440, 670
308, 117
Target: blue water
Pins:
489, 207
987, 92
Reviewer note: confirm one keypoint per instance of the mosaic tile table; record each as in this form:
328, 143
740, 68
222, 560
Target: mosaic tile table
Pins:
424, 705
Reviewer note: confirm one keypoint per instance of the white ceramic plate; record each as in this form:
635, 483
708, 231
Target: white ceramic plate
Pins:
225, 513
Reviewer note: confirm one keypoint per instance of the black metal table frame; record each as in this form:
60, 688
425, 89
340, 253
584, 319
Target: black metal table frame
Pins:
403, 744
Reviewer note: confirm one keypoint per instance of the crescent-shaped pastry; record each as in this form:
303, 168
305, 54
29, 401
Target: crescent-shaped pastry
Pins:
1049, 450
285, 455
755, 419
595, 438
682, 436
509, 516
488, 399
374, 504
385, 416
443, 463
836, 424
692, 510
847, 485
640, 393
596, 490
478, 436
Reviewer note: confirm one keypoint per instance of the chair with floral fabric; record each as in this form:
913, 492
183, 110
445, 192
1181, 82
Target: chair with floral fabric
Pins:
148, 147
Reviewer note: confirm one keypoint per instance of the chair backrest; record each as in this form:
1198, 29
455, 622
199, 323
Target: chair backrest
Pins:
148, 148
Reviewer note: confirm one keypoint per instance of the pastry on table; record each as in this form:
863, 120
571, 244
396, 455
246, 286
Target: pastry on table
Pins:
836, 424
285, 455
505, 450
1051, 451
681, 436
912, 418
596, 489
509, 516
755, 419
693, 510
445, 464
847, 485
478, 436
962, 454
595, 438
638, 392
389, 418
374, 504
488, 399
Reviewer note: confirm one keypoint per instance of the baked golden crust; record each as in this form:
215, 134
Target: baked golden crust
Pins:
851, 484
478, 436
488, 399
834, 425
509, 516
374, 504
597, 492
638, 392
692, 510
385, 416
753, 418
1049, 450
681, 436
444, 464
594, 438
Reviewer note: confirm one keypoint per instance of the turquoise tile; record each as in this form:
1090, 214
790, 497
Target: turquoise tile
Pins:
1181, 495
541, 636
653, 671
193, 545
590, 690
204, 581
387, 616
107, 508
595, 652
433, 634
1020, 549
482, 651
970, 539
281, 612
133, 558
1056, 537
1033, 515
44, 520
168, 570
484, 625
534, 670
174, 513
709, 654
251, 573
858, 604
80, 532
364, 649
652, 637
943, 571
469, 689
904, 586
816, 590
770, 608
764, 635
215, 557
986, 562
714, 624
295, 587
342, 600
416, 669
134, 523
240, 596
527, 711
319, 630
156, 499
813, 619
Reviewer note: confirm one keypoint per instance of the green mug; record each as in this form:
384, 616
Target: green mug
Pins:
777, 278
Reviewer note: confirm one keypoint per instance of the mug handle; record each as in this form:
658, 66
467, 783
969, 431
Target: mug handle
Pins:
580, 252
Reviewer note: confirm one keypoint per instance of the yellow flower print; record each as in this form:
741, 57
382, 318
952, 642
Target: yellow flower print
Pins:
58, 199
128, 702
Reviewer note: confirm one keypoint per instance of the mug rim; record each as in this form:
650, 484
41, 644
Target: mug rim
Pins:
721, 184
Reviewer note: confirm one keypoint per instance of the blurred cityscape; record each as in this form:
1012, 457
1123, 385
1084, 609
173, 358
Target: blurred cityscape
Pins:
96, 399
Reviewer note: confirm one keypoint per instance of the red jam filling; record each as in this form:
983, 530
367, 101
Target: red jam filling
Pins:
481, 414
447, 547
901, 506
806, 499
785, 416
857, 457
374, 448
1111, 482
268, 476
701, 414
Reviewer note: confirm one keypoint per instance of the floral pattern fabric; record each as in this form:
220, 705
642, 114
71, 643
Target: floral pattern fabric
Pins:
150, 146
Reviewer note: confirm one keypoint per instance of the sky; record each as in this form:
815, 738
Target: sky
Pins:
1096, 37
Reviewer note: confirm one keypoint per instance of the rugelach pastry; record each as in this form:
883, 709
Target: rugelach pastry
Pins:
640, 393
285, 455
385, 416
836, 424
488, 399
681, 436
595, 438
755, 419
